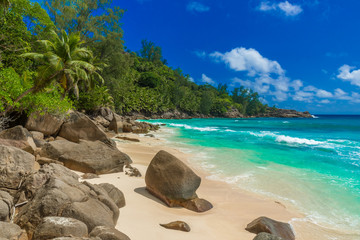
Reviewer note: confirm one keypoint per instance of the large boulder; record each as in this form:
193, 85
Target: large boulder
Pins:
6, 206
268, 225
12, 232
19, 137
52, 227
108, 233
267, 236
68, 198
15, 165
79, 126
116, 124
86, 156
171, 180
114, 193
46, 124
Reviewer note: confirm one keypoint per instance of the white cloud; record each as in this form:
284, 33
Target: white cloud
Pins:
283, 7
325, 101
347, 73
324, 94
191, 79
206, 79
303, 96
250, 60
297, 84
197, 7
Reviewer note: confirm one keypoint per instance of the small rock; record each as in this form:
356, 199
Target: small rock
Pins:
128, 139
149, 135
197, 205
268, 225
89, 176
177, 225
132, 171
44, 160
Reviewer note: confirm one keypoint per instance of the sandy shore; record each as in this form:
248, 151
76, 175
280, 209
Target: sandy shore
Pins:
233, 208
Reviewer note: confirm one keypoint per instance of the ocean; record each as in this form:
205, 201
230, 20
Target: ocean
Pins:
312, 164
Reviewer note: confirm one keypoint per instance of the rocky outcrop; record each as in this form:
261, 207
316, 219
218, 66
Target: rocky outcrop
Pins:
79, 126
116, 124
15, 165
52, 227
47, 124
18, 137
284, 113
268, 225
66, 197
104, 112
108, 233
86, 156
267, 236
114, 193
6, 206
12, 232
172, 181
177, 225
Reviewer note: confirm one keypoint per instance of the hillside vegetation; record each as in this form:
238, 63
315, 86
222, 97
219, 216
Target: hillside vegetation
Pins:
70, 54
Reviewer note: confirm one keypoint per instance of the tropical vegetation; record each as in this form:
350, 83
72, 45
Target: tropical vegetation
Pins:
70, 54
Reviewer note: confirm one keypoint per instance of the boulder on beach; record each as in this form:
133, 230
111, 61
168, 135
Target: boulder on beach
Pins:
114, 193
66, 197
267, 236
86, 156
268, 225
108, 233
6, 206
12, 232
52, 227
79, 126
19, 137
172, 181
15, 165
177, 225
47, 124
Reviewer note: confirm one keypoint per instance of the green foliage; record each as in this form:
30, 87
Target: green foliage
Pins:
151, 52
149, 79
12, 86
94, 98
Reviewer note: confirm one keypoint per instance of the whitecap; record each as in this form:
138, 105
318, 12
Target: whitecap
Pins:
201, 129
288, 139
313, 116
229, 130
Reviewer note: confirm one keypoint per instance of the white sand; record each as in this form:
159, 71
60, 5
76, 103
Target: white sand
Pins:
233, 208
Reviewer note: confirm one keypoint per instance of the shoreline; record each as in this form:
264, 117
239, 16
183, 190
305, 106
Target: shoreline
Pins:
233, 208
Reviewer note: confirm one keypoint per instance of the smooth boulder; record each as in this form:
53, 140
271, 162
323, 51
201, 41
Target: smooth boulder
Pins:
52, 227
267, 236
20, 137
108, 233
12, 231
15, 165
86, 156
268, 225
47, 124
172, 181
6, 206
114, 193
79, 126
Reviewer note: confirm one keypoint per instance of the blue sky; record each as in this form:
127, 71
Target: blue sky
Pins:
300, 54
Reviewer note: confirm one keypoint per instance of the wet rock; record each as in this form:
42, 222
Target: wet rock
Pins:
177, 225
268, 225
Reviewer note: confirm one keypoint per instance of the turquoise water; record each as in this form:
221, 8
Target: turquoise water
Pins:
313, 164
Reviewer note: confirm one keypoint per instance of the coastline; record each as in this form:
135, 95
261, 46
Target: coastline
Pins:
233, 208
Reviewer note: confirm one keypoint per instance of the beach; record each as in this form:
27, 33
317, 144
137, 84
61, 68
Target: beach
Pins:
233, 208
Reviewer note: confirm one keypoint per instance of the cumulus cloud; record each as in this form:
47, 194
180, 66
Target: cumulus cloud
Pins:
206, 79
197, 7
250, 60
283, 7
191, 79
349, 73
324, 94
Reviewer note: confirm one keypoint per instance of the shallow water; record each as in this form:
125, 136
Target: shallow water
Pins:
313, 164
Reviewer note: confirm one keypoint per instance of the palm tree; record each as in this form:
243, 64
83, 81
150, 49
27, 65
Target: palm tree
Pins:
64, 61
